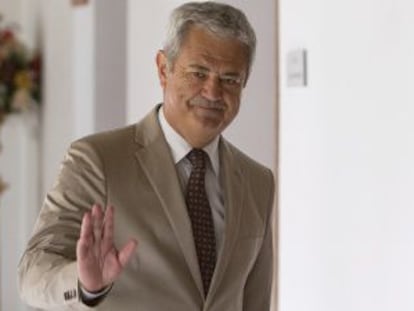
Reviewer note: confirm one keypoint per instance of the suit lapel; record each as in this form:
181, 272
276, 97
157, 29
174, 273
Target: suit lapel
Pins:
232, 184
155, 159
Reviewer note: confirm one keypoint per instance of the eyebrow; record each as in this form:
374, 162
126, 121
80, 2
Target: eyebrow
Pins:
226, 74
198, 67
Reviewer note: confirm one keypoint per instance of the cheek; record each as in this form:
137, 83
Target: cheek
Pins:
176, 92
187, 84
233, 108
233, 101
232, 111
187, 91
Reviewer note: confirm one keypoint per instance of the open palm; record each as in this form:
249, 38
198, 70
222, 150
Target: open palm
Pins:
99, 263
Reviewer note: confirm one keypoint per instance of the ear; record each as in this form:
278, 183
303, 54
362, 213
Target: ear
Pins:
161, 60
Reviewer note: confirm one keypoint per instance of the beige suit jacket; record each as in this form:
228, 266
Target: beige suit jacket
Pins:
132, 169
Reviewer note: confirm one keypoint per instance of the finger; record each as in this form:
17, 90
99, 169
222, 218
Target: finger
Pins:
124, 255
86, 227
108, 230
85, 238
97, 221
82, 250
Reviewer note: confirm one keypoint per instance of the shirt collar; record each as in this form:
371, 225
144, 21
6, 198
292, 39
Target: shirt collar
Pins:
180, 147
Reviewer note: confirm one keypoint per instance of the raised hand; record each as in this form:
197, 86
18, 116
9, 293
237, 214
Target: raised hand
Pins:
99, 263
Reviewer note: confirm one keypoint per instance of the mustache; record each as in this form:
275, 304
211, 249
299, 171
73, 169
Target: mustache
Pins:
206, 103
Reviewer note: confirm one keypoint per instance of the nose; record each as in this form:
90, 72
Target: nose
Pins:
212, 88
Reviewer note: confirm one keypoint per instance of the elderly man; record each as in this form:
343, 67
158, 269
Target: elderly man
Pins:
191, 211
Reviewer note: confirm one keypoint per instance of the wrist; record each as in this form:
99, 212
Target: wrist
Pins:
92, 298
92, 292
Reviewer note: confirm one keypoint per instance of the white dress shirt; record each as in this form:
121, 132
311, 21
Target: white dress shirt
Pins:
179, 149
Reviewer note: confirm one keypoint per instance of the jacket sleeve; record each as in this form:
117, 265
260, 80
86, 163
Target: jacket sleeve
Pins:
258, 288
47, 272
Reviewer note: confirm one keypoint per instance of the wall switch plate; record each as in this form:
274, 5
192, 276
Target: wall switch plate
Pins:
296, 68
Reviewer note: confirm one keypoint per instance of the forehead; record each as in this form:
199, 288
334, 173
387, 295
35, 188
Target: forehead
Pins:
206, 48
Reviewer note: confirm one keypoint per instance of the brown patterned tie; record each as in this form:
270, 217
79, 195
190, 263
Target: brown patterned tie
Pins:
200, 216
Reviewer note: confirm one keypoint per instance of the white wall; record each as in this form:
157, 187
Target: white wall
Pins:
68, 105
110, 64
346, 157
253, 130
10, 11
147, 23
19, 167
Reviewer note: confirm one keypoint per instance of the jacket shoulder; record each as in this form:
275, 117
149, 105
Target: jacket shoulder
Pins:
246, 162
111, 138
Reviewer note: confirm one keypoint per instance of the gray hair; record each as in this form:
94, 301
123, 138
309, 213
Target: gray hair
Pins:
220, 19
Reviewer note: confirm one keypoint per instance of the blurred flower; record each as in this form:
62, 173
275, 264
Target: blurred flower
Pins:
20, 73
20, 76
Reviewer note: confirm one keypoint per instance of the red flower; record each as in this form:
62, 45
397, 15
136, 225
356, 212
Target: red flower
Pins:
6, 36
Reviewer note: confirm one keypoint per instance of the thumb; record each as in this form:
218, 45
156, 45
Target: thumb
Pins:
124, 255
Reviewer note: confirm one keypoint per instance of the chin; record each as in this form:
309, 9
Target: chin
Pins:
210, 124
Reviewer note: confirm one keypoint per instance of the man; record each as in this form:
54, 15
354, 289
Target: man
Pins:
198, 209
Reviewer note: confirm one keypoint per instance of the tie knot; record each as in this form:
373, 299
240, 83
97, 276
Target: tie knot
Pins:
197, 158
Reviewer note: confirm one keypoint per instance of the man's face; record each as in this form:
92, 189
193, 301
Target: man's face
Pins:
203, 87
